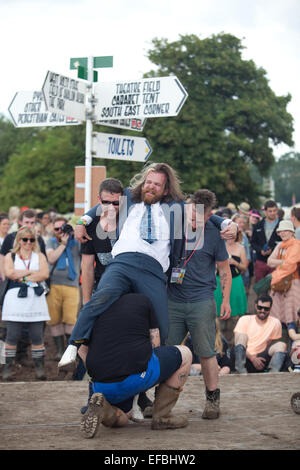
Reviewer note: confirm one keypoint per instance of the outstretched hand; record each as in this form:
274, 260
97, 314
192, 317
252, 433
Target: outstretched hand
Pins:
80, 234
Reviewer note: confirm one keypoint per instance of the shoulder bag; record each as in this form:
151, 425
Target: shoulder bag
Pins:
285, 284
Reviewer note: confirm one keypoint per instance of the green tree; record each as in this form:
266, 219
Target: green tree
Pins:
286, 175
11, 138
229, 120
40, 173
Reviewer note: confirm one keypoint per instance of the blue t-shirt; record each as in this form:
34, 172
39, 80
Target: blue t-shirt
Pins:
199, 281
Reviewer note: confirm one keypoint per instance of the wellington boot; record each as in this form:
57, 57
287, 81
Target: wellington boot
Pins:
39, 368
99, 411
212, 406
60, 346
165, 400
7, 369
240, 359
277, 361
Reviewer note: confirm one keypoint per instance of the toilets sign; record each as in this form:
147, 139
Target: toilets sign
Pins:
120, 147
145, 98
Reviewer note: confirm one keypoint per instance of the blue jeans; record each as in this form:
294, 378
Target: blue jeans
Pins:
127, 272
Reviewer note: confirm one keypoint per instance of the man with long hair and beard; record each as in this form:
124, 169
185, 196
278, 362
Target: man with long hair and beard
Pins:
149, 234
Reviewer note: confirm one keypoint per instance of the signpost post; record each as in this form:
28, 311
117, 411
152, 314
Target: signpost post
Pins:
88, 137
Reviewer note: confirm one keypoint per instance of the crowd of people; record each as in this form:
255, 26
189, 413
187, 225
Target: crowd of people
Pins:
148, 287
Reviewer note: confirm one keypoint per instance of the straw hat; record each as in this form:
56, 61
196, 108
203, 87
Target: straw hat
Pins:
285, 225
231, 206
244, 208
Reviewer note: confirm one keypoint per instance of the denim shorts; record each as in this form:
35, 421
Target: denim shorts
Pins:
165, 360
15, 331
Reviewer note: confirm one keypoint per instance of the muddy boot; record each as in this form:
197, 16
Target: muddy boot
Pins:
60, 346
84, 408
277, 361
38, 356
212, 406
295, 403
240, 359
99, 411
165, 400
7, 367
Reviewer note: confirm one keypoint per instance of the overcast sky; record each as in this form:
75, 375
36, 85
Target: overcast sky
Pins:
41, 35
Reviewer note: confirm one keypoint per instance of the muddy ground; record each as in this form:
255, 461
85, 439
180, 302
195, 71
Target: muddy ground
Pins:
256, 415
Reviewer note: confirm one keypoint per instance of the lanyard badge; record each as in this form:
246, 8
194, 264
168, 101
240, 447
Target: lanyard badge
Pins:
177, 275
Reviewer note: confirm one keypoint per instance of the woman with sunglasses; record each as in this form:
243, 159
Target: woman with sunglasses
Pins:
25, 301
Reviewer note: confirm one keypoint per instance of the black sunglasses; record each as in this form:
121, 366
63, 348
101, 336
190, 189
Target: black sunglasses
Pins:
25, 240
107, 203
261, 307
56, 229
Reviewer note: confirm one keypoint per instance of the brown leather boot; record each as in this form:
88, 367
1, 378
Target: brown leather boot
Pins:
99, 411
212, 405
165, 400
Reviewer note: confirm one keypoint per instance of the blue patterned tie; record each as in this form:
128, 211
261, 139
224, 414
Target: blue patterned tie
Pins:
147, 229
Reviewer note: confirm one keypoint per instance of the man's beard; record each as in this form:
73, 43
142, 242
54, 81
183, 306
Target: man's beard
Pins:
150, 198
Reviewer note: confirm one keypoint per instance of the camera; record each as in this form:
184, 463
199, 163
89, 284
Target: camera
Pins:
67, 228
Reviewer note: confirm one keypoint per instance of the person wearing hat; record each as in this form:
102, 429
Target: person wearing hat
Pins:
286, 260
264, 239
254, 217
244, 208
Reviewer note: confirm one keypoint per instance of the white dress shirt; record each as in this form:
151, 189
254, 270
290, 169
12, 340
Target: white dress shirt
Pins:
130, 240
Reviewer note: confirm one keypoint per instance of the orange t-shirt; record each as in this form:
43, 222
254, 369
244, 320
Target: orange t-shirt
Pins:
259, 334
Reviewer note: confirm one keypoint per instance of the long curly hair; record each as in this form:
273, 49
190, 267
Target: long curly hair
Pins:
174, 192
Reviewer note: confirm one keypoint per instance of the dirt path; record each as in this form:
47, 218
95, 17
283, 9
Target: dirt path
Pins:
256, 414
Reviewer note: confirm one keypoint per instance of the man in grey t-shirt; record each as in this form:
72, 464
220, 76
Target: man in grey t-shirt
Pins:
191, 303
63, 253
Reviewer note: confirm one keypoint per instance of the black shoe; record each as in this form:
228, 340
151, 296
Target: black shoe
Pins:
145, 404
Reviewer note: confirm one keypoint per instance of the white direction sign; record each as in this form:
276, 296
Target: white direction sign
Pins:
145, 98
65, 95
120, 147
131, 124
28, 109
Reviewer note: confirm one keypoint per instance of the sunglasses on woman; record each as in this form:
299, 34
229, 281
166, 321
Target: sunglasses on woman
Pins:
25, 240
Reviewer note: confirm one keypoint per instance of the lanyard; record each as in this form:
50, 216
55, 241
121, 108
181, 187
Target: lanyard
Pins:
27, 267
187, 260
